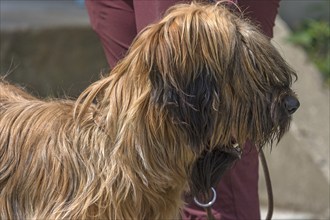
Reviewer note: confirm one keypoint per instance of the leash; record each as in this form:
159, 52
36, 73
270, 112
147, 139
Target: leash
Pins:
208, 205
268, 185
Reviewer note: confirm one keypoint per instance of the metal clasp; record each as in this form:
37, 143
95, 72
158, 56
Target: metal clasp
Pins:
208, 204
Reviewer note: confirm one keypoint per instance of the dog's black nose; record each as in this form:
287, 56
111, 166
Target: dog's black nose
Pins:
291, 104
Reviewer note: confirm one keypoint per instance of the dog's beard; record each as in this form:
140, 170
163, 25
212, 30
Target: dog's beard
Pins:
280, 120
210, 167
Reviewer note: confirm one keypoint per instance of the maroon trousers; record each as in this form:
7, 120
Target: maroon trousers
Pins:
117, 22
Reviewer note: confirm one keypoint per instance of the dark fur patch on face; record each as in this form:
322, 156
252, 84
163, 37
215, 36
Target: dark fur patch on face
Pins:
188, 103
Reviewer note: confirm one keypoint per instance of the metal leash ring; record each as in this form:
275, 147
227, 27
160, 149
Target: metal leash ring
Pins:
210, 203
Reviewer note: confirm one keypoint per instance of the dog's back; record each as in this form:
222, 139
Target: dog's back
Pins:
29, 130
10, 93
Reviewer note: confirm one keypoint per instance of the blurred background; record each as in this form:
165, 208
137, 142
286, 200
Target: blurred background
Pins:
50, 48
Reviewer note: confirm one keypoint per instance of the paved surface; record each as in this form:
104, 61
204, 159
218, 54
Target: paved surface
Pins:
299, 165
27, 14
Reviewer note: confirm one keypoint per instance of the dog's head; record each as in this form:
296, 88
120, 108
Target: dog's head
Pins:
217, 76
214, 76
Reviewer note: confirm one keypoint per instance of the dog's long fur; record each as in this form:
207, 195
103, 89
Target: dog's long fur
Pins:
190, 84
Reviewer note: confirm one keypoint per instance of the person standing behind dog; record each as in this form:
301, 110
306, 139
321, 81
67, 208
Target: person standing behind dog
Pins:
117, 22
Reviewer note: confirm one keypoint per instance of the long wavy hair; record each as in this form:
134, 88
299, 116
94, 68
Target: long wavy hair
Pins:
197, 80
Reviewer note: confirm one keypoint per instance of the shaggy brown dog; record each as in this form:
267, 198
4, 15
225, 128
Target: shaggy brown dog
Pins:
190, 87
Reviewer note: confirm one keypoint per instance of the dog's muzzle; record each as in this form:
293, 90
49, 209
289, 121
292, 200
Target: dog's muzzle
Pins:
291, 104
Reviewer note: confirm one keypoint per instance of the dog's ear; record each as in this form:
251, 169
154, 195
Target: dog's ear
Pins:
188, 101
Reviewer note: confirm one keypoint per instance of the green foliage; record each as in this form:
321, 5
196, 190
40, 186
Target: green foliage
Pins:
314, 37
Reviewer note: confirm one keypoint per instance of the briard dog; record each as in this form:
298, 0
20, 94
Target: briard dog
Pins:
169, 118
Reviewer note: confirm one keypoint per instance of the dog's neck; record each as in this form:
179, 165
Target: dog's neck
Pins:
132, 156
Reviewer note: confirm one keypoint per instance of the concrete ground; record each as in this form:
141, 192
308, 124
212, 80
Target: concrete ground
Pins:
299, 165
